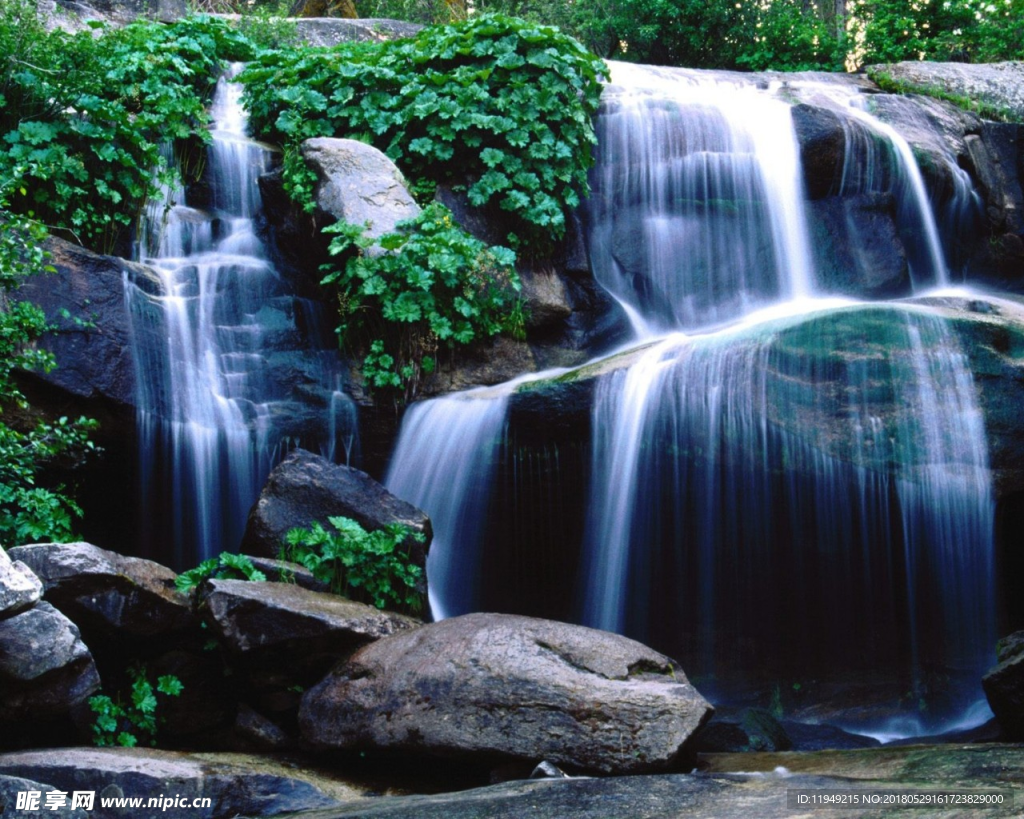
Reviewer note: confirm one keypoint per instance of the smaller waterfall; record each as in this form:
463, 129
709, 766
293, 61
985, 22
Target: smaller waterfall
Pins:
444, 464
696, 213
209, 333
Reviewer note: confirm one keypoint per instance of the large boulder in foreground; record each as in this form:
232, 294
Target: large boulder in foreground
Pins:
506, 686
305, 488
1004, 686
108, 592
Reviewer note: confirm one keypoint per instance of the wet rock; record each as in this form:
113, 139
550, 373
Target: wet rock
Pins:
108, 592
493, 362
19, 587
258, 731
1004, 686
857, 248
358, 184
236, 785
305, 488
822, 148
807, 736
547, 299
11, 787
45, 668
503, 686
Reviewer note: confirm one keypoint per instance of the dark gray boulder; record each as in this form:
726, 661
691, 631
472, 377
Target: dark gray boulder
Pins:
1004, 686
822, 141
108, 592
11, 786
235, 785
45, 668
19, 587
305, 488
503, 686
258, 617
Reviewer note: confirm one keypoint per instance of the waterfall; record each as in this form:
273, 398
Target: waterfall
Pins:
444, 464
208, 331
696, 212
782, 485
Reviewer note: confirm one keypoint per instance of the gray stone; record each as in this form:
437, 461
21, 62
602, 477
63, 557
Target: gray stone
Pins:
45, 668
235, 784
822, 139
106, 591
305, 488
358, 184
19, 587
547, 299
11, 786
1000, 85
256, 730
330, 31
1004, 686
493, 362
252, 617
503, 686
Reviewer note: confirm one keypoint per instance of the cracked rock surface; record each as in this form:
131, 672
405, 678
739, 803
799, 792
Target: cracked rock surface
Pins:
509, 687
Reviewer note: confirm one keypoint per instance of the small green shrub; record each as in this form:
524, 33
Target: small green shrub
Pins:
30, 510
125, 722
501, 106
369, 567
226, 566
82, 116
435, 285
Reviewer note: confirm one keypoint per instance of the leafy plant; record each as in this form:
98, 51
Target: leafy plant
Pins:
226, 566
121, 721
427, 285
82, 116
493, 104
30, 511
370, 567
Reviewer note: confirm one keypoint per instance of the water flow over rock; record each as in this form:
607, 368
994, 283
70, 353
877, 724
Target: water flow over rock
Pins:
215, 341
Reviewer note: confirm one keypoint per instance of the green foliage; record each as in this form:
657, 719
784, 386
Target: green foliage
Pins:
495, 104
29, 510
126, 721
370, 567
82, 115
432, 285
226, 566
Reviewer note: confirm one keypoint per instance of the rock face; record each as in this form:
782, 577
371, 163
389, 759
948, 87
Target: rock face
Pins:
252, 617
235, 785
508, 686
305, 488
1004, 686
358, 184
95, 358
108, 592
19, 587
1000, 85
330, 31
45, 668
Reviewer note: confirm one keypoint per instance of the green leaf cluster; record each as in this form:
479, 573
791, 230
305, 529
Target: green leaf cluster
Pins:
407, 294
226, 566
369, 567
498, 105
82, 115
125, 719
30, 510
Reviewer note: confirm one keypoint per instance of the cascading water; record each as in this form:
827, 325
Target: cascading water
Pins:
212, 402
803, 493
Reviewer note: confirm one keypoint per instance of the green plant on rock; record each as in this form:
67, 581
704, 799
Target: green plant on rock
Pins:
226, 566
370, 567
30, 509
498, 106
127, 720
83, 115
428, 285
